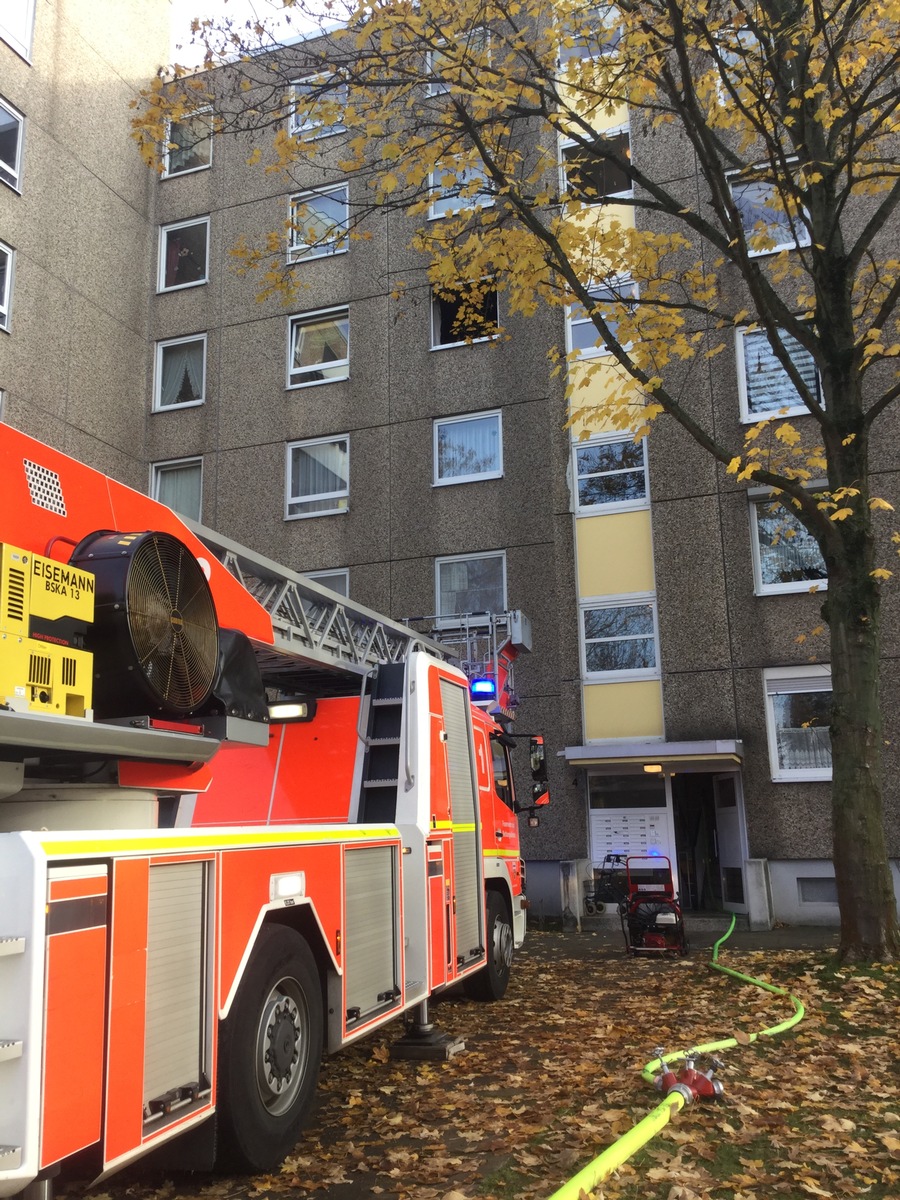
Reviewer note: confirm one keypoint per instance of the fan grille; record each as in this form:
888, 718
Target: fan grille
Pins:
172, 622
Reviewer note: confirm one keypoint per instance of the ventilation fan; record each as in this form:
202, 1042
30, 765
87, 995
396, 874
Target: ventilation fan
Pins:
155, 637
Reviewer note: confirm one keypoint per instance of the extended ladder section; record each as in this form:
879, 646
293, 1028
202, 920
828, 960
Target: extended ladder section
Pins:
323, 641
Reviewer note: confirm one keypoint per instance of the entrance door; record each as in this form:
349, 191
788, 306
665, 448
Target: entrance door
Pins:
730, 838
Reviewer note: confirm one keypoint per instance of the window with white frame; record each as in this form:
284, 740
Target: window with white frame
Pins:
470, 584
183, 254
17, 25
619, 636
180, 378
179, 485
7, 260
613, 300
318, 477
189, 143
591, 178
798, 716
473, 46
596, 29
454, 189
764, 387
786, 557
336, 581
318, 103
467, 315
610, 472
319, 347
317, 222
12, 125
768, 225
468, 448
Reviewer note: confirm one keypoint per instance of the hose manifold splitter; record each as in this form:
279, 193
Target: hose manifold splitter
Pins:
689, 1083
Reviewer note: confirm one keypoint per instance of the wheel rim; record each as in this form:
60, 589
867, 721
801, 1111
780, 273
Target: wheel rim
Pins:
282, 1046
502, 946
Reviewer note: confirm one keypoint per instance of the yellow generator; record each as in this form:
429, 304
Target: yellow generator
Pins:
45, 609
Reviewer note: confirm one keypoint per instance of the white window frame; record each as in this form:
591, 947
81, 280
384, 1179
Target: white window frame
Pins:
320, 315
200, 112
620, 285
336, 496
311, 127
463, 341
164, 231
797, 226
606, 439
342, 573
443, 204
494, 414
626, 600
757, 499
161, 348
480, 33
159, 469
335, 243
595, 15
6, 293
21, 47
782, 680
450, 620
607, 197
11, 173
748, 417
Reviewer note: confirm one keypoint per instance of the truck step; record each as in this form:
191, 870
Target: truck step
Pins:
9, 1049
12, 945
10, 1158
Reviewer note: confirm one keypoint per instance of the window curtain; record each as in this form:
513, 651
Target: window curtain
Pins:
182, 374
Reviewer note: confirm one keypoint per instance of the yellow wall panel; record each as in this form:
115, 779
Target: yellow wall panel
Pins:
615, 553
623, 710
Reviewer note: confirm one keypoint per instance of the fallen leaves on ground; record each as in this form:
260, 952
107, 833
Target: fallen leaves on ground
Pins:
551, 1076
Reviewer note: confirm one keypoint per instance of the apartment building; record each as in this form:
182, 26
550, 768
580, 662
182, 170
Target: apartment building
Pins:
359, 435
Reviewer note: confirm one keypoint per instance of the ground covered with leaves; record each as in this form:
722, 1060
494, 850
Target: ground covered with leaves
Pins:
551, 1076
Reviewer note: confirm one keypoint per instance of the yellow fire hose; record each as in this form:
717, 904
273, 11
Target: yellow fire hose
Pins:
636, 1137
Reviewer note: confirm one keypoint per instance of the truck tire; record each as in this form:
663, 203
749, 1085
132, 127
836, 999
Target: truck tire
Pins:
270, 1049
491, 982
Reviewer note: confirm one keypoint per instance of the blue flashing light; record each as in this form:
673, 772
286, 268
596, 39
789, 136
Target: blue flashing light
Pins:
483, 689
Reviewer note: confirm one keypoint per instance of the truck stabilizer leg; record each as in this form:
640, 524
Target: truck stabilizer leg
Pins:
423, 1042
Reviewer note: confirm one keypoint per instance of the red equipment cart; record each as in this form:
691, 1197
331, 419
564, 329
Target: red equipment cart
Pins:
652, 921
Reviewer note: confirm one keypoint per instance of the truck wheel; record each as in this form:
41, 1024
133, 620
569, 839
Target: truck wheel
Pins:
269, 1053
491, 982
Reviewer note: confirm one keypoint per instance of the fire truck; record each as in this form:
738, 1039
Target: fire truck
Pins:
243, 822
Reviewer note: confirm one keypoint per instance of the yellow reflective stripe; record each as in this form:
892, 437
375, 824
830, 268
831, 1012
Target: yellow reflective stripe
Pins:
211, 840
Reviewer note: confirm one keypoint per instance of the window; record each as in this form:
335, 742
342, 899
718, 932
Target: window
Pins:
786, 558
189, 143
596, 30
468, 448
335, 581
317, 106
768, 227
183, 254
319, 347
318, 223
7, 259
180, 372
469, 315
456, 188
12, 124
764, 387
179, 485
613, 300
473, 49
318, 477
798, 714
620, 637
472, 584
17, 25
610, 472
592, 179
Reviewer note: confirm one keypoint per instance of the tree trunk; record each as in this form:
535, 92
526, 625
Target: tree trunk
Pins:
869, 928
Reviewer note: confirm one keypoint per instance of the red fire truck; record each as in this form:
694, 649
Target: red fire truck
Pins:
242, 822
